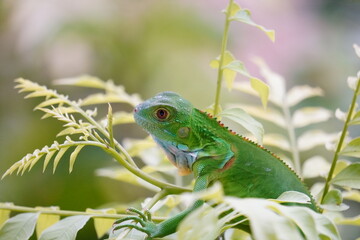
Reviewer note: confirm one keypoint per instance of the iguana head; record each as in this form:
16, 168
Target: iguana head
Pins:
167, 117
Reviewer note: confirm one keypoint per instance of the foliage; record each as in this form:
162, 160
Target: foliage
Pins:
82, 128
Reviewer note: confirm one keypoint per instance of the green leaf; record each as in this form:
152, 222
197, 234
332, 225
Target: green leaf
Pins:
66, 229
244, 15
352, 149
46, 220
333, 201
20, 227
73, 156
249, 123
293, 197
310, 115
333, 197
102, 225
348, 177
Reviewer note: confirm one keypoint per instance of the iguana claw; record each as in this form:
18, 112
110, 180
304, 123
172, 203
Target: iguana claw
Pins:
147, 226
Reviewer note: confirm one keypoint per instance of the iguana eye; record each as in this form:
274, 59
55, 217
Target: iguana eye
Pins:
162, 114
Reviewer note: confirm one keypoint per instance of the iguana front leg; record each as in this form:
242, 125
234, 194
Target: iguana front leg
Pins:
167, 227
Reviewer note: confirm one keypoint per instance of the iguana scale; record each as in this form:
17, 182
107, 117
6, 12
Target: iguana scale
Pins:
196, 142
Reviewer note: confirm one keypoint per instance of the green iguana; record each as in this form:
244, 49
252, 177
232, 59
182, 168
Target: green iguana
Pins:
196, 142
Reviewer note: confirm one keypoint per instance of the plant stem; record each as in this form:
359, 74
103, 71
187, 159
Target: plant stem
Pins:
341, 141
222, 55
68, 213
170, 188
158, 196
110, 126
293, 144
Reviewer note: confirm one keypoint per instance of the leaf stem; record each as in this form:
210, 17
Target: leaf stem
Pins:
341, 141
170, 188
222, 55
158, 196
67, 213
110, 126
291, 132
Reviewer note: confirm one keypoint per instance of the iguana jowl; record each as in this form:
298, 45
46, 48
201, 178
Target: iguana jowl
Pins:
196, 142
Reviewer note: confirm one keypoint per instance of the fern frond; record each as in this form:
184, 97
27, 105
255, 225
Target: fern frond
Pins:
113, 93
28, 161
63, 109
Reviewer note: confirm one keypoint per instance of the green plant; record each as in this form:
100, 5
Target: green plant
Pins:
83, 128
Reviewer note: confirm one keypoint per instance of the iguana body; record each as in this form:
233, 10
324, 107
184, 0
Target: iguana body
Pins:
196, 142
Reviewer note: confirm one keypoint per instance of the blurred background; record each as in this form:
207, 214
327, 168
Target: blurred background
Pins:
149, 47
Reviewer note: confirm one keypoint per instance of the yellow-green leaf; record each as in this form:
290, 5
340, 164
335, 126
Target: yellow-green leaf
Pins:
355, 119
73, 156
58, 157
46, 220
352, 195
244, 15
83, 81
261, 88
48, 158
340, 165
4, 213
69, 131
350, 221
214, 63
102, 225
122, 117
234, 9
